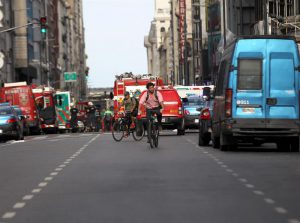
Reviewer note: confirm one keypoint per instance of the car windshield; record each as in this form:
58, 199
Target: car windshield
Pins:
5, 111
194, 102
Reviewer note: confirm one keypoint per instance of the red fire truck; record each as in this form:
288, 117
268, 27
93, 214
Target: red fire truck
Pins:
44, 98
135, 84
20, 94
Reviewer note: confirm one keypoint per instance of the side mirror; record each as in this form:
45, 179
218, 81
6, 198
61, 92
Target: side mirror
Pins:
199, 109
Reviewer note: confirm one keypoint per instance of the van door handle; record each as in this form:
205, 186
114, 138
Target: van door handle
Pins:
271, 101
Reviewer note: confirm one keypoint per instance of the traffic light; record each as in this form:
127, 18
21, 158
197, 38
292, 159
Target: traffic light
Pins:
43, 23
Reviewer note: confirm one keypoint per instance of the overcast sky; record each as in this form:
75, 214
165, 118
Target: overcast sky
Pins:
114, 31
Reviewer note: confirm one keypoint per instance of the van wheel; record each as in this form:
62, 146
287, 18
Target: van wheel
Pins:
295, 144
282, 146
215, 142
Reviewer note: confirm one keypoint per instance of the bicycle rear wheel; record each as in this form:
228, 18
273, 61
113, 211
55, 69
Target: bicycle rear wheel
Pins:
138, 133
118, 131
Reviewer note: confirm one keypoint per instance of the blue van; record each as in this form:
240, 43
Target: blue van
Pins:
257, 93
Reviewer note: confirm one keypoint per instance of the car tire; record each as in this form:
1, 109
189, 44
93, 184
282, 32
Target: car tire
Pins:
181, 128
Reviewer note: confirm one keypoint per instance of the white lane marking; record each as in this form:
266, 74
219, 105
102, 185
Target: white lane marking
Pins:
15, 142
224, 166
19, 205
43, 184
9, 215
243, 180
40, 138
235, 175
294, 221
280, 210
48, 178
63, 136
28, 197
53, 173
229, 170
221, 163
54, 140
62, 166
35, 191
68, 160
58, 169
249, 185
258, 192
269, 201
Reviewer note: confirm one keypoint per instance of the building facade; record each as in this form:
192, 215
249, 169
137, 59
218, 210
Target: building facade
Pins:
43, 58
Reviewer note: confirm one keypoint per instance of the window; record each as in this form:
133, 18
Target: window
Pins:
250, 74
221, 77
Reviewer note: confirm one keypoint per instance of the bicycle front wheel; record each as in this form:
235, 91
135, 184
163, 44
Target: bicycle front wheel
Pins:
155, 135
138, 133
149, 134
118, 131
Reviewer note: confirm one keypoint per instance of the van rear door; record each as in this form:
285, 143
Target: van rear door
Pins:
249, 100
282, 82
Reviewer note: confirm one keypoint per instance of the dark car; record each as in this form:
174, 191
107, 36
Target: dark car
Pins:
191, 106
205, 123
10, 124
22, 119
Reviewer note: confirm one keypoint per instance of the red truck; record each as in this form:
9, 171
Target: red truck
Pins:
134, 84
44, 98
20, 94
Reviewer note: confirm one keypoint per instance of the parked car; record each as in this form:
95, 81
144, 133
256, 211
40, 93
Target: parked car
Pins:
23, 119
205, 123
191, 107
257, 93
172, 116
10, 124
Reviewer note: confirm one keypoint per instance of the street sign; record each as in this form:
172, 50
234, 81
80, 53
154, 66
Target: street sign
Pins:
70, 76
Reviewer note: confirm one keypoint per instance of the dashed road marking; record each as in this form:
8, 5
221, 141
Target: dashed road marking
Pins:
27, 197
58, 169
269, 201
280, 210
258, 192
243, 180
53, 173
43, 184
62, 166
19, 205
249, 185
35, 191
48, 178
9, 215
294, 221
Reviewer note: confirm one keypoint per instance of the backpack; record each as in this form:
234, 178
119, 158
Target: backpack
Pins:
136, 103
155, 94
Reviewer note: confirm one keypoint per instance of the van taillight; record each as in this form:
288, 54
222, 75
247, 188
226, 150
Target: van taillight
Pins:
205, 114
228, 103
11, 120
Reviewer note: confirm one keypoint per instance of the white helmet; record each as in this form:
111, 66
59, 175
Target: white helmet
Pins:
90, 103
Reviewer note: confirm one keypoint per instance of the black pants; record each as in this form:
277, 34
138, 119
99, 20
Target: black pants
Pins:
156, 111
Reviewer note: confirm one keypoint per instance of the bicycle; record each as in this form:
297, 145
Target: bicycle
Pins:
153, 130
121, 128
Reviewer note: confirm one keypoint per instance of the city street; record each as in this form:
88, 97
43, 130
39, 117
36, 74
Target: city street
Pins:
87, 178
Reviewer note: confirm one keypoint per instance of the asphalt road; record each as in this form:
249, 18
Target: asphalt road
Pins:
90, 178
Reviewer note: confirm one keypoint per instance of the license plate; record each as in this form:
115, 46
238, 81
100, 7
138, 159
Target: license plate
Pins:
163, 120
249, 110
1, 131
196, 120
